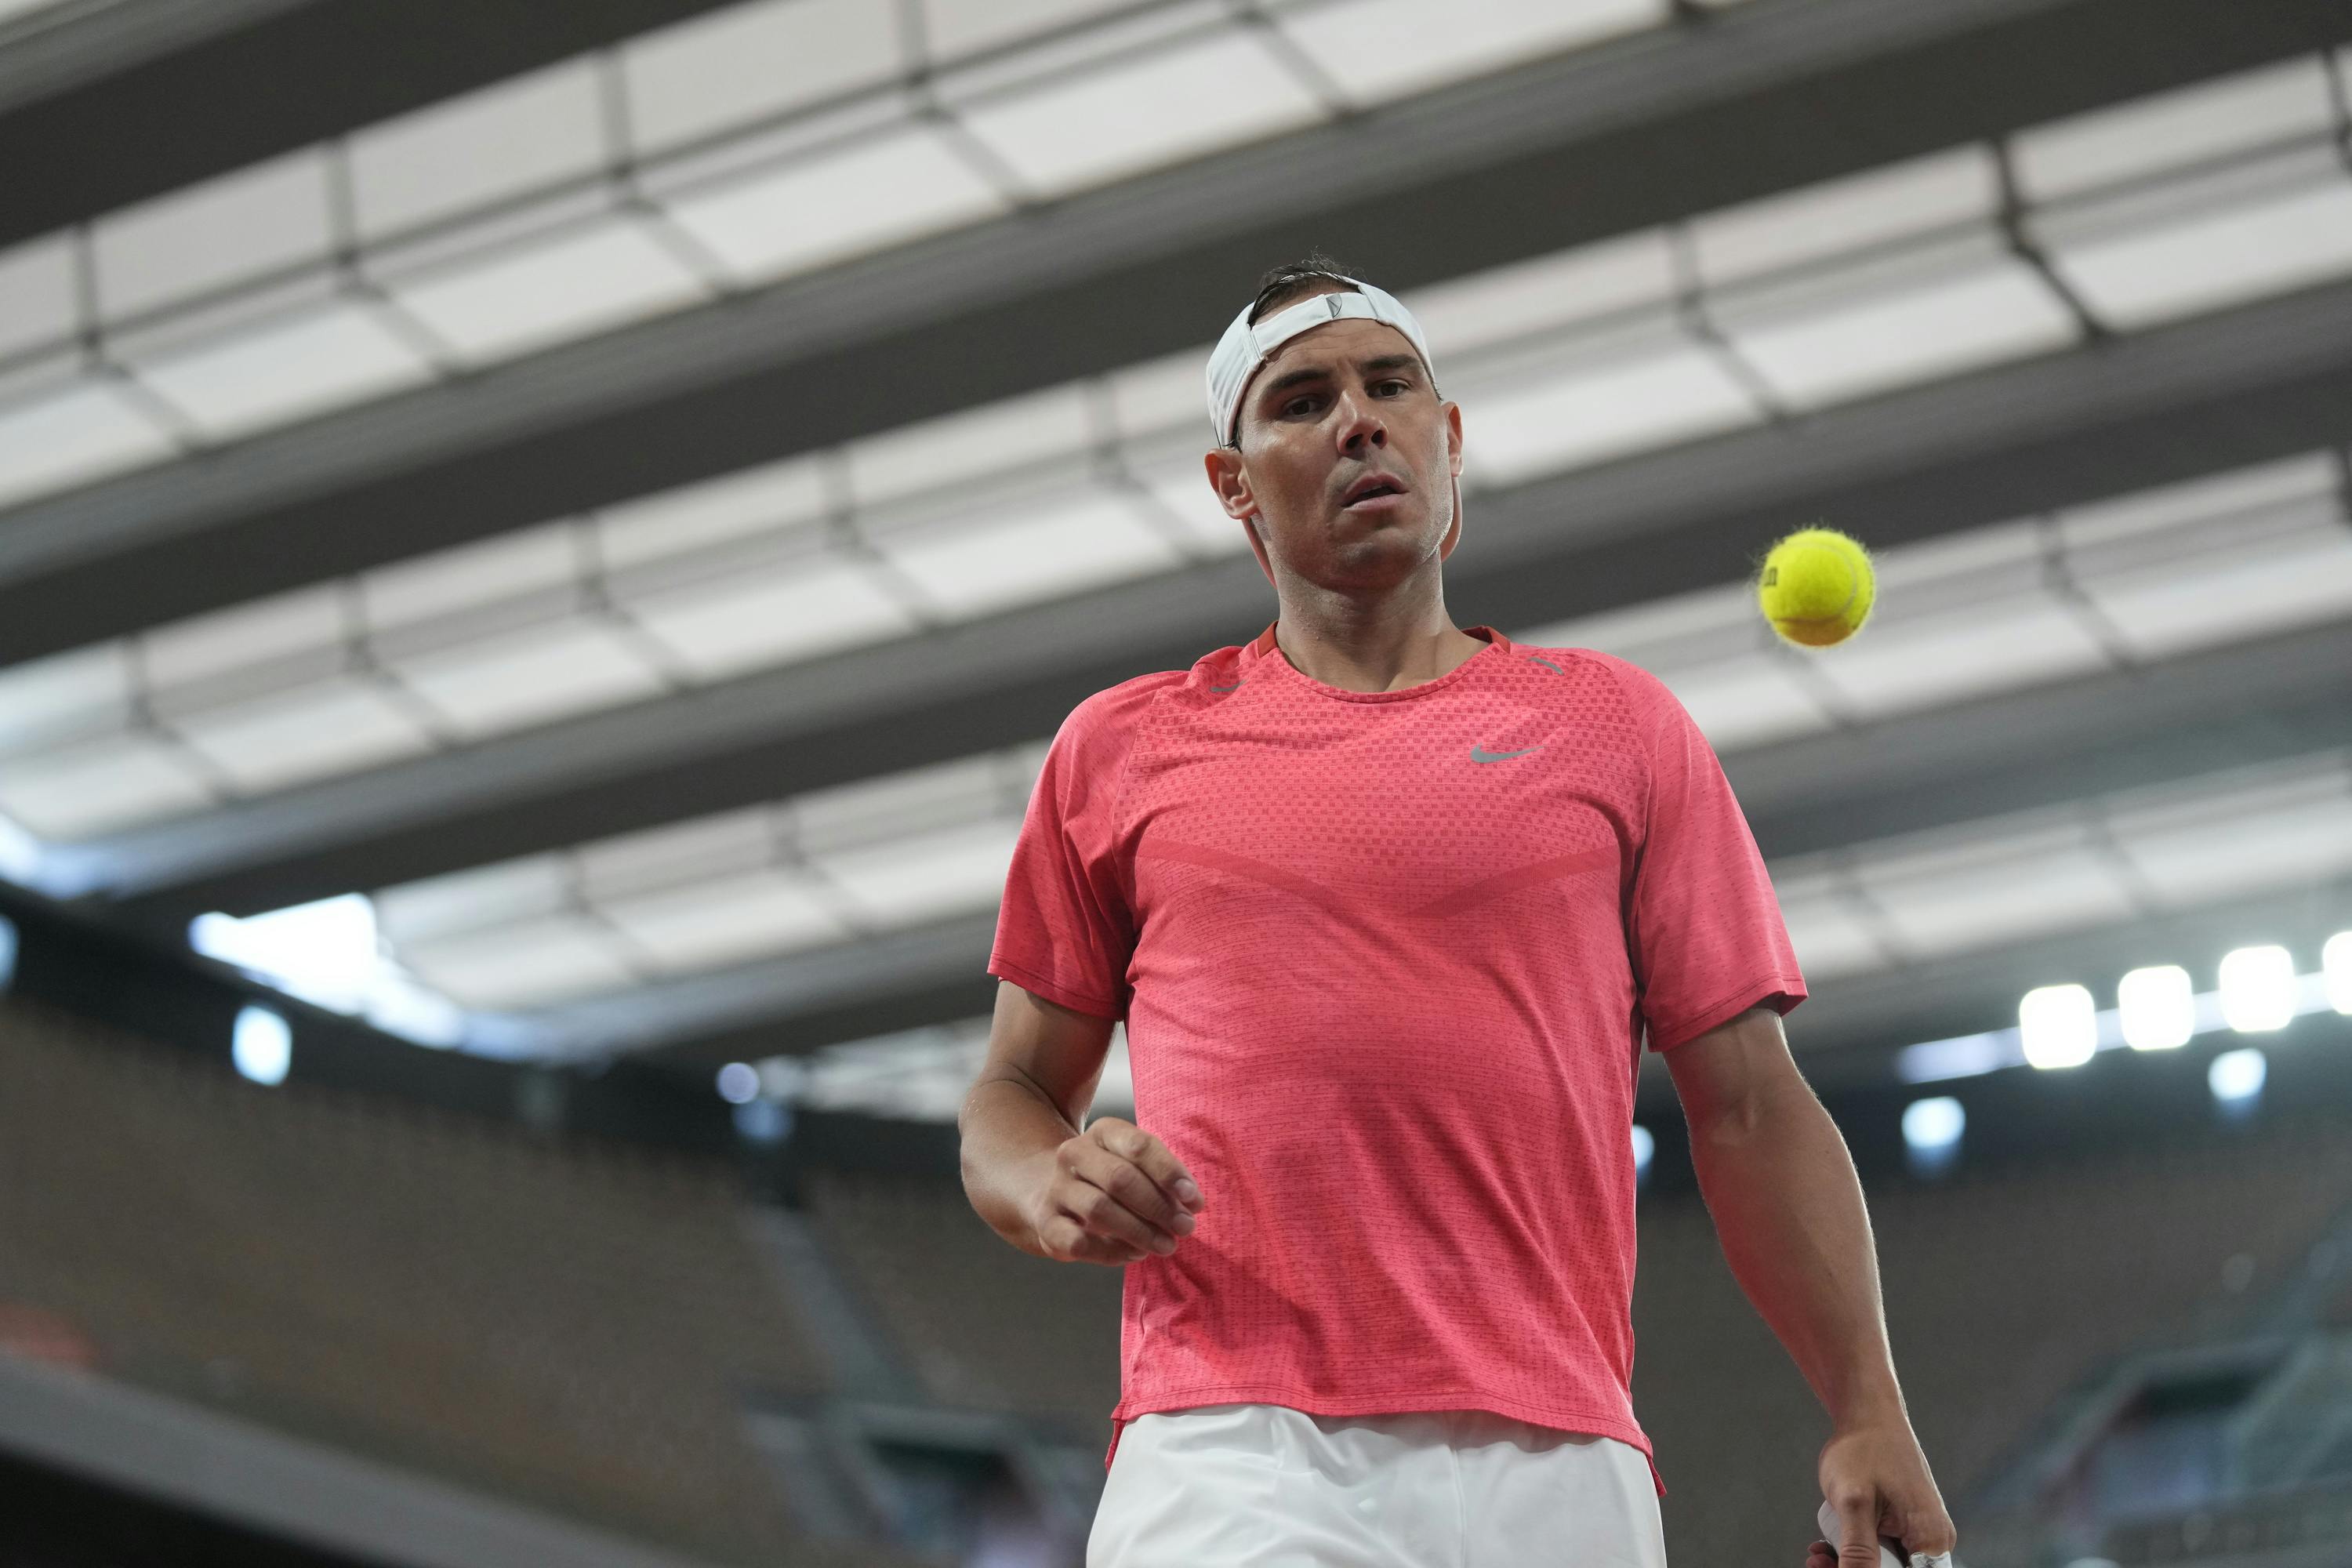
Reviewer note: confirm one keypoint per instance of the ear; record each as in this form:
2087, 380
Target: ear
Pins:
1231, 481
1453, 462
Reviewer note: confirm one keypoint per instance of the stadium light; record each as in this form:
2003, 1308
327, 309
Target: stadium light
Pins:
2336, 971
2260, 990
1931, 1134
2157, 1008
1645, 1146
262, 1045
2059, 1025
2237, 1077
739, 1083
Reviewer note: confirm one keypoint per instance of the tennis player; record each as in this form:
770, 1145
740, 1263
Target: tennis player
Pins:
1391, 909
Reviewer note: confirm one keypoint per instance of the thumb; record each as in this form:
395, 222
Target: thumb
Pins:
1857, 1529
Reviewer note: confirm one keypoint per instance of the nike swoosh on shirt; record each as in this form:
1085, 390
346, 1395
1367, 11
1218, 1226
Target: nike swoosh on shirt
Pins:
1237, 686
1479, 754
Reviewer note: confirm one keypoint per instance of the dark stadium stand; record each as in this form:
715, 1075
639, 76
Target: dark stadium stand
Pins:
568, 1325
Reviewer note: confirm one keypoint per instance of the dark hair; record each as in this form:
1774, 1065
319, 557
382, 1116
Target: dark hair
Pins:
1295, 280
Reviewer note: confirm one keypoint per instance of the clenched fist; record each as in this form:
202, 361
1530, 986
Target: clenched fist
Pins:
1113, 1194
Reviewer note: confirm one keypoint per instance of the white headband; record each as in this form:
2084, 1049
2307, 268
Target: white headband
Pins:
1242, 352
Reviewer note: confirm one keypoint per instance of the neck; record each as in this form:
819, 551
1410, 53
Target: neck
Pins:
1382, 643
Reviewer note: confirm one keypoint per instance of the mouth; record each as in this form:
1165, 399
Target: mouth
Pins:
1371, 487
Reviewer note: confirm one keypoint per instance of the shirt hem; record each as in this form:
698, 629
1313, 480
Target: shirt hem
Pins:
1731, 1006
1053, 991
1598, 1424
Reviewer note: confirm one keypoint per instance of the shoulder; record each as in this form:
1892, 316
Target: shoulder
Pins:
1646, 700
1105, 726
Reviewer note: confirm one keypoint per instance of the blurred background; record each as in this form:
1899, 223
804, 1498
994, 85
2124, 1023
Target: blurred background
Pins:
541, 546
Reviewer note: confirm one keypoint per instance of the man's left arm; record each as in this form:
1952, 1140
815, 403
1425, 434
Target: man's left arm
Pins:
1788, 1209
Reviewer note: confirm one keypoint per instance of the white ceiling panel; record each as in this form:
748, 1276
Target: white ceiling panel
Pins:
659, 859
499, 567
2207, 120
1847, 335
744, 621
1746, 702
926, 876
1167, 394
1032, 553
898, 806
510, 891
242, 635
949, 453
1951, 900
81, 790
1157, 107
727, 921
269, 215
2296, 581
612, 272
332, 727
1607, 398
518, 136
2313, 476
526, 966
1828, 931
1507, 304
749, 62
36, 293
1922, 196
530, 678
299, 365
2172, 258
71, 435
1905, 665
769, 497
2217, 846
1376, 49
953, 28
850, 200
51, 699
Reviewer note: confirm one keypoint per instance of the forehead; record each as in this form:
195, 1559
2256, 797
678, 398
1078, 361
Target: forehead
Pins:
1334, 344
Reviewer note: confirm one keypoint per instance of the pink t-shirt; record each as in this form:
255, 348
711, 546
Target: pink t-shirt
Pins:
1387, 962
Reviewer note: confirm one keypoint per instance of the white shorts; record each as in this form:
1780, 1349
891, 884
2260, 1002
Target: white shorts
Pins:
1264, 1485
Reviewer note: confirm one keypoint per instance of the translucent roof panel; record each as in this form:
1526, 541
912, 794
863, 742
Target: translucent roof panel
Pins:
518, 136
1155, 106
746, 63
1374, 49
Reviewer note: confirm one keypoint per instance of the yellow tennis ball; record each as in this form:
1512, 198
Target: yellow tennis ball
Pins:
1817, 587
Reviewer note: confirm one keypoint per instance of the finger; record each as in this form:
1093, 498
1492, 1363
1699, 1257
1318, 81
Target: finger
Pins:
1857, 1529
1100, 1213
1123, 1180
1152, 1161
1066, 1239
1932, 1536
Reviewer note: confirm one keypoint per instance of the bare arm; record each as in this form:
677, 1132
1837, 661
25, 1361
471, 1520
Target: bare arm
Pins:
1789, 1211
1109, 1193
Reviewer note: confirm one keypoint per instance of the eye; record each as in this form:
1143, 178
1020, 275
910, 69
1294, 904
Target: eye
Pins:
1297, 406
1393, 386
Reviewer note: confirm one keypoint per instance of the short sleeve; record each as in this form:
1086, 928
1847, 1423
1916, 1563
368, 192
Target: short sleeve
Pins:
1065, 929
1703, 926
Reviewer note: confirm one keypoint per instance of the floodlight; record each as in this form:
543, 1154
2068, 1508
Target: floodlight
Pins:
2157, 1007
2059, 1025
262, 1045
2335, 969
2260, 991
2237, 1076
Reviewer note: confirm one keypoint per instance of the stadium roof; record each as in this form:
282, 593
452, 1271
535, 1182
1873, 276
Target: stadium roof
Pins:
636, 507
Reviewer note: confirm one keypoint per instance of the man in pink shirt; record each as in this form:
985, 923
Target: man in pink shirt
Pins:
1390, 910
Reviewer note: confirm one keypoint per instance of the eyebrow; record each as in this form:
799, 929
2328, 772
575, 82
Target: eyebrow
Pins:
1373, 366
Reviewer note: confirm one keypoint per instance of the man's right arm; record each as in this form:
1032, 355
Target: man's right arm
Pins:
1109, 1193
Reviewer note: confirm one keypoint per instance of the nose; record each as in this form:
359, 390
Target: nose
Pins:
1361, 424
